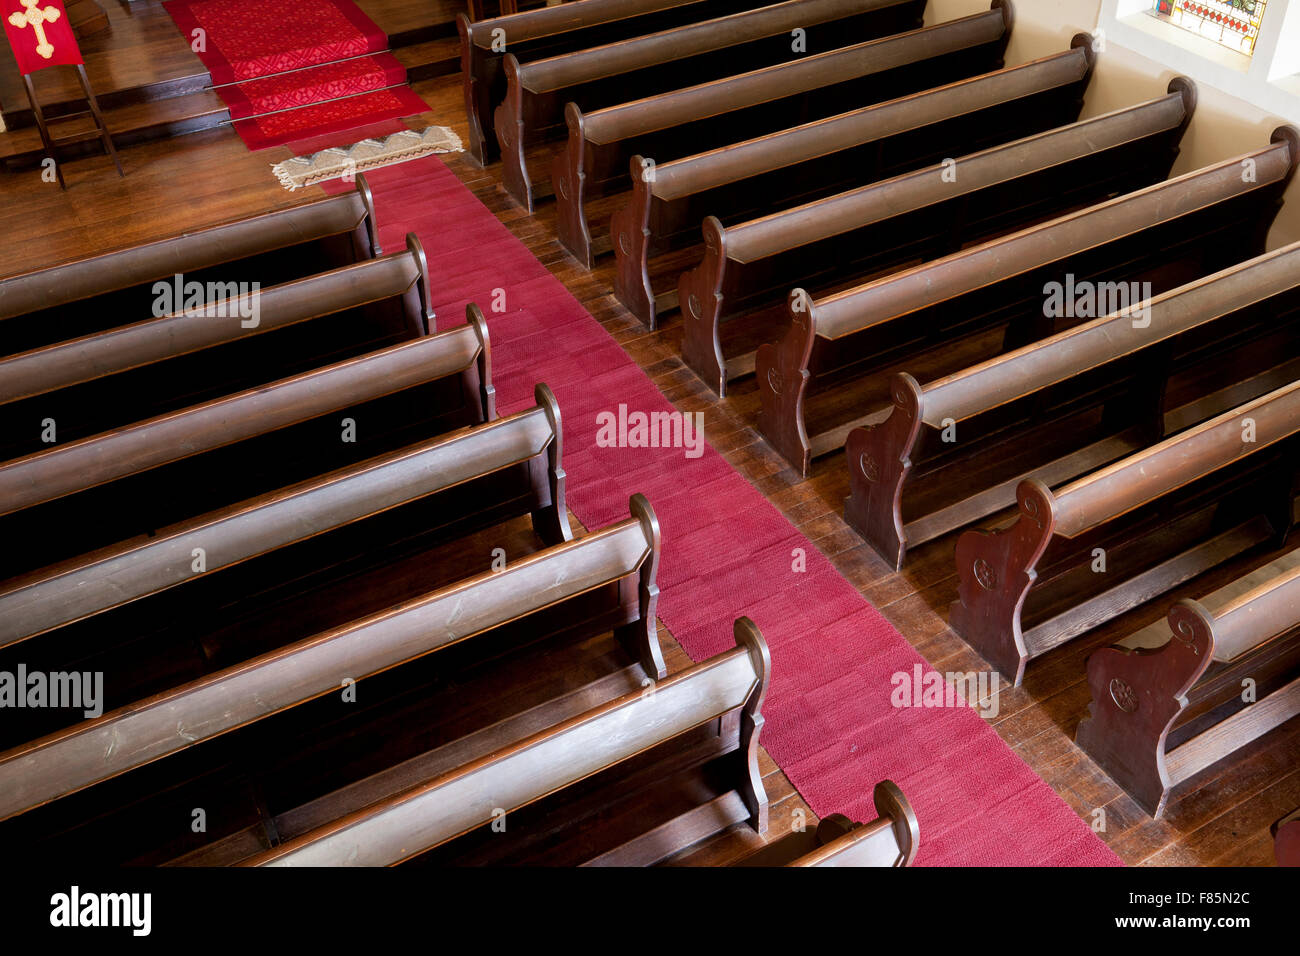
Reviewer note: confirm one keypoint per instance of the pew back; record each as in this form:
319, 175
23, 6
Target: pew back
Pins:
188, 716
96, 382
722, 113
112, 486
93, 294
538, 91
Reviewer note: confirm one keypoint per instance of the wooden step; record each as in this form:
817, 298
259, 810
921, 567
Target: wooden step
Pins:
130, 124
424, 61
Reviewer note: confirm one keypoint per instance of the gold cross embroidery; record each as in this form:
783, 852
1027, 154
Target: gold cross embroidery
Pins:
38, 19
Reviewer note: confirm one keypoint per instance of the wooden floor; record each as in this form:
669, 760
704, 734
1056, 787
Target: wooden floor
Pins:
1219, 818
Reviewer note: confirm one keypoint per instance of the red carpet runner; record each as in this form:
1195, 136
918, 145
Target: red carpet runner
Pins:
296, 68
727, 551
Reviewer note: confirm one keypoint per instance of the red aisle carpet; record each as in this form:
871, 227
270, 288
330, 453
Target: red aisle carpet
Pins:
295, 68
727, 551
246, 39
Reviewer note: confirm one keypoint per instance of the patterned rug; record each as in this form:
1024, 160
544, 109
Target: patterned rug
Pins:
362, 74
246, 39
276, 129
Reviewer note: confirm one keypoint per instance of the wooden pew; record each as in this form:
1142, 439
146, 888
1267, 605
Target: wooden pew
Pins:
487, 472
603, 779
839, 241
1161, 714
892, 839
1076, 557
953, 450
109, 487
553, 599
550, 31
90, 384
727, 111
286, 565
90, 295
769, 173
537, 91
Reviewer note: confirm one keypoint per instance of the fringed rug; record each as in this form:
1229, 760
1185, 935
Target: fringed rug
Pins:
339, 161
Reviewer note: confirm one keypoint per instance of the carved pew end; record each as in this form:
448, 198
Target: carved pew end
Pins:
995, 572
879, 459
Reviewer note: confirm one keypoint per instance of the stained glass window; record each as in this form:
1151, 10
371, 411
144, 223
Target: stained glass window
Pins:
1231, 23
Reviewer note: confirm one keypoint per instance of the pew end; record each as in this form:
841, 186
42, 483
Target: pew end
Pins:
630, 235
783, 377
1185, 87
751, 788
367, 238
880, 460
478, 388
1136, 695
552, 522
428, 321
699, 293
478, 97
995, 570
1088, 43
641, 637
568, 173
512, 134
1160, 715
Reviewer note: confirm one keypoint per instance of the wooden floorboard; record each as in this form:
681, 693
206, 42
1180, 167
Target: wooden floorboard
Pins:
1220, 817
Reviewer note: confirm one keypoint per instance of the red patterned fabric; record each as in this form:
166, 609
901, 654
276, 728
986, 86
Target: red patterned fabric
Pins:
263, 132
830, 723
316, 85
246, 39
40, 34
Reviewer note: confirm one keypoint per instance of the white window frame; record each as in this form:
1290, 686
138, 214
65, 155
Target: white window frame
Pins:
1269, 80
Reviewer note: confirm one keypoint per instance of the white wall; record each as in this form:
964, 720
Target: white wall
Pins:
1222, 127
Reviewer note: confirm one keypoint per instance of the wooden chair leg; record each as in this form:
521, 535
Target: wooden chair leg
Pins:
44, 130
99, 119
